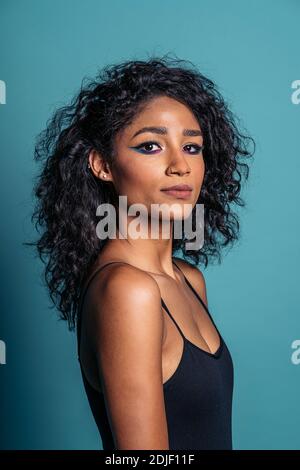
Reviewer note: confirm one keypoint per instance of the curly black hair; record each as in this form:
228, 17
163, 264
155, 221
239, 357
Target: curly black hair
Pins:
67, 193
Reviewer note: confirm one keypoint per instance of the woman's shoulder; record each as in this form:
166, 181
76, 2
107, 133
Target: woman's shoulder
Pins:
120, 286
128, 280
122, 276
122, 300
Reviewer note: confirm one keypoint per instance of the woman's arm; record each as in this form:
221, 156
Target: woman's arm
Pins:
128, 346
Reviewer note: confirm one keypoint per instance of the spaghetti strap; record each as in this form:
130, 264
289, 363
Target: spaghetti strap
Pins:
198, 296
174, 321
190, 285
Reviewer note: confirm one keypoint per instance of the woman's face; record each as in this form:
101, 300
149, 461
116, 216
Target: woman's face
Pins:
148, 161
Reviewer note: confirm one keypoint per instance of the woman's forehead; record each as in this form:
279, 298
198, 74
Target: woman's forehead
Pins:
161, 113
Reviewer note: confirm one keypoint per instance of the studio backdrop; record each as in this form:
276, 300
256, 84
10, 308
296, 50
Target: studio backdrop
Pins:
251, 51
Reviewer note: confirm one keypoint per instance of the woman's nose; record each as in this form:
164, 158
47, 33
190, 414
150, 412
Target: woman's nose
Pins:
178, 163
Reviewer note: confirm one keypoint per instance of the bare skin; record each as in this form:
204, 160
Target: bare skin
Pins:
129, 344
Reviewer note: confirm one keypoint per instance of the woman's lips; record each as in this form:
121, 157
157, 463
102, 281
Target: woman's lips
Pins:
178, 193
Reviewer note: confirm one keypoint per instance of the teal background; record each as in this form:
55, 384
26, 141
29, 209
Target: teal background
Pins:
251, 49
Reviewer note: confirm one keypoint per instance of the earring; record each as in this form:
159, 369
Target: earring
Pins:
88, 165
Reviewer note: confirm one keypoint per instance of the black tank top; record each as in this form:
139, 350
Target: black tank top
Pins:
198, 396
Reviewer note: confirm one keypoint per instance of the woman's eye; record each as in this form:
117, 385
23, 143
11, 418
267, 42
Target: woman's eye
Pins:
147, 148
198, 148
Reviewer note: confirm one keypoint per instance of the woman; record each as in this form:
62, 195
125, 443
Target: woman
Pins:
156, 370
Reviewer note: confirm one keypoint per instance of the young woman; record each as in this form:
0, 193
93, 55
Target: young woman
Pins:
157, 371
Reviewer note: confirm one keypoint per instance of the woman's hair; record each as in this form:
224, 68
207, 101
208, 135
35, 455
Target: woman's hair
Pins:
67, 193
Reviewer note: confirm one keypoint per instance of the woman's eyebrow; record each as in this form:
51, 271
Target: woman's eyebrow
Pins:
164, 130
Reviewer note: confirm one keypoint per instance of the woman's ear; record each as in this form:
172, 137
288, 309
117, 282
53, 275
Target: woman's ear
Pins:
99, 166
